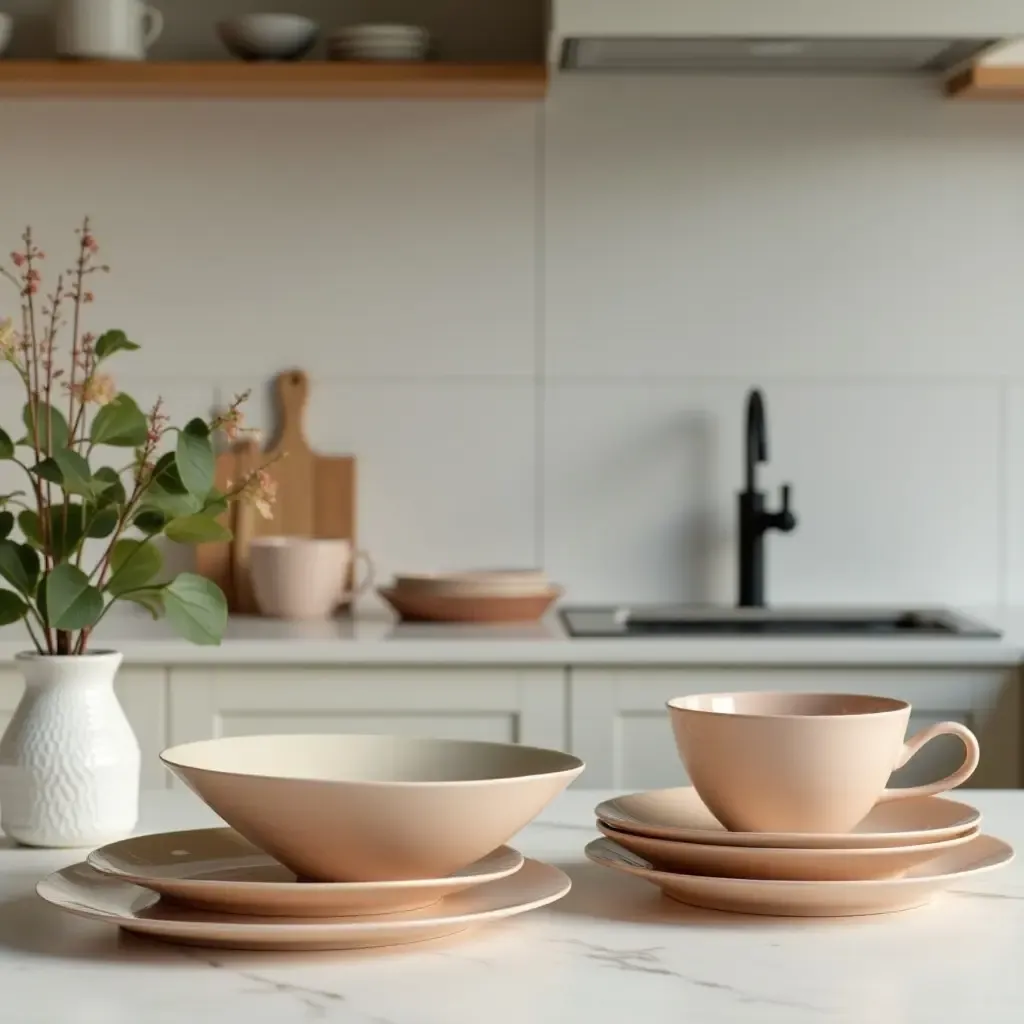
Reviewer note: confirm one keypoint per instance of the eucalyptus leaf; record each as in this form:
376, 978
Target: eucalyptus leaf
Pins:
51, 432
216, 503
67, 528
49, 471
150, 521
71, 601
166, 475
113, 493
135, 563
197, 427
19, 565
31, 563
194, 458
6, 524
68, 469
172, 505
199, 529
101, 522
12, 608
120, 423
151, 598
6, 446
29, 523
196, 608
111, 342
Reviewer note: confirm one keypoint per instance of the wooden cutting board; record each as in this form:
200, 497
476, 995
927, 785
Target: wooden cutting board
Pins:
316, 495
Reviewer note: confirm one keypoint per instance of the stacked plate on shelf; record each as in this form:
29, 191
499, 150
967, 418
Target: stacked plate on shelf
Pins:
484, 596
390, 43
337, 842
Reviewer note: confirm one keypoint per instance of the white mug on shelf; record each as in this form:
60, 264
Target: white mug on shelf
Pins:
107, 29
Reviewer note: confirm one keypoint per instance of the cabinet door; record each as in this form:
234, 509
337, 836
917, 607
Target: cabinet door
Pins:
619, 724
143, 695
506, 705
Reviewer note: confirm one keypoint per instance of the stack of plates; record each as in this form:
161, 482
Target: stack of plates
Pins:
337, 842
212, 888
379, 43
492, 595
899, 857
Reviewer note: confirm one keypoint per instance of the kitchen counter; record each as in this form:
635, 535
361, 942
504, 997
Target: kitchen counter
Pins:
379, 640
613, 950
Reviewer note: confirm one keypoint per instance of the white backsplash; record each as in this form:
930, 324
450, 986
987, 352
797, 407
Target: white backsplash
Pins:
535, 325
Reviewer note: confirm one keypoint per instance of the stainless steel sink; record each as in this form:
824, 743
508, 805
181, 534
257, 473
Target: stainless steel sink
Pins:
688, 621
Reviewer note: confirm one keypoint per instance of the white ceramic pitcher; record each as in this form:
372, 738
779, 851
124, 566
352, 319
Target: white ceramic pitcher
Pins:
107, 29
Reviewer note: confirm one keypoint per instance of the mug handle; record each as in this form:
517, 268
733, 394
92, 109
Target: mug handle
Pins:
154, 26
961, 775
368, 577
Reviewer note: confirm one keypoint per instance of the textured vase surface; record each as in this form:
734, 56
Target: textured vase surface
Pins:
69, 760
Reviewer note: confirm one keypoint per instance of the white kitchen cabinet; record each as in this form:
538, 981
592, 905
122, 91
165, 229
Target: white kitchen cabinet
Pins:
619, 725
143, 695
506, 705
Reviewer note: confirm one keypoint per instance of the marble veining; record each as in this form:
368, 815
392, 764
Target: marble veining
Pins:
612, 951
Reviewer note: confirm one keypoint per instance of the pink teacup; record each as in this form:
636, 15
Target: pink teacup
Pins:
303, 578
802, 762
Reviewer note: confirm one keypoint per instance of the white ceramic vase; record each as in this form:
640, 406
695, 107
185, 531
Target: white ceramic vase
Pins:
69, 761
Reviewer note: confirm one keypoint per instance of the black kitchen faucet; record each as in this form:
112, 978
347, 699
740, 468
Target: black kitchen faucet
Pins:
754, 519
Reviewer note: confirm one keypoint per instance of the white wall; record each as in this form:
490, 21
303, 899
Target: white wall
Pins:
536, 325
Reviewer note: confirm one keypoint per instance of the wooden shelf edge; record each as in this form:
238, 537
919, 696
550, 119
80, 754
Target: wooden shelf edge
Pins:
987, 83
24, 79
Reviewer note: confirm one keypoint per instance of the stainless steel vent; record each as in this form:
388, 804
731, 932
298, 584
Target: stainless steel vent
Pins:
763, 55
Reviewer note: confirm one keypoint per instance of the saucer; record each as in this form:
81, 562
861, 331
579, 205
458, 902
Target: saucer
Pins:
81, 890
218, 870
782, 864
813, 899
680, 814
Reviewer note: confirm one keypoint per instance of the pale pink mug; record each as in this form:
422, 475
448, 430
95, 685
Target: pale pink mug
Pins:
802, 762
304, 578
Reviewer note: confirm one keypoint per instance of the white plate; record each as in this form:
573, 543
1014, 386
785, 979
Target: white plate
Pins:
85, 892
813, 899
680, 814
218, 870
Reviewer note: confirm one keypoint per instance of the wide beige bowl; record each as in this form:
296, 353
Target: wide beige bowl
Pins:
372, 808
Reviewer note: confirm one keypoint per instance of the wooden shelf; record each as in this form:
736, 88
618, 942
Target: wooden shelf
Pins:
43, 79
988, 83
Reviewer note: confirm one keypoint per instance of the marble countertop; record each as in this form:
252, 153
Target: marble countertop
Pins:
612, 951
376, 639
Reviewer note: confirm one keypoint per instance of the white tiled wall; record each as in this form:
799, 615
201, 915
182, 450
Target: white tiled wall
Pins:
536, 325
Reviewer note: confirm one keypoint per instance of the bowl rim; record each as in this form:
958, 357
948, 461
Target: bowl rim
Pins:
577, 765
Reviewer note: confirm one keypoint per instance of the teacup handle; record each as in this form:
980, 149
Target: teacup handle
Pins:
957, 778
361, 557
153, 25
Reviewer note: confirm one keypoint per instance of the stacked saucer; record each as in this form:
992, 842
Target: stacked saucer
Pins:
789, 814
339, 842
386, 43
899, 857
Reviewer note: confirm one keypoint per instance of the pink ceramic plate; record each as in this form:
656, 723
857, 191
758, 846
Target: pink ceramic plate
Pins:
784, 864
82, 891
813, 899
680, 814
216, 869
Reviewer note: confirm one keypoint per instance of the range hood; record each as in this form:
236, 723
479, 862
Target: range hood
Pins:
784, 36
